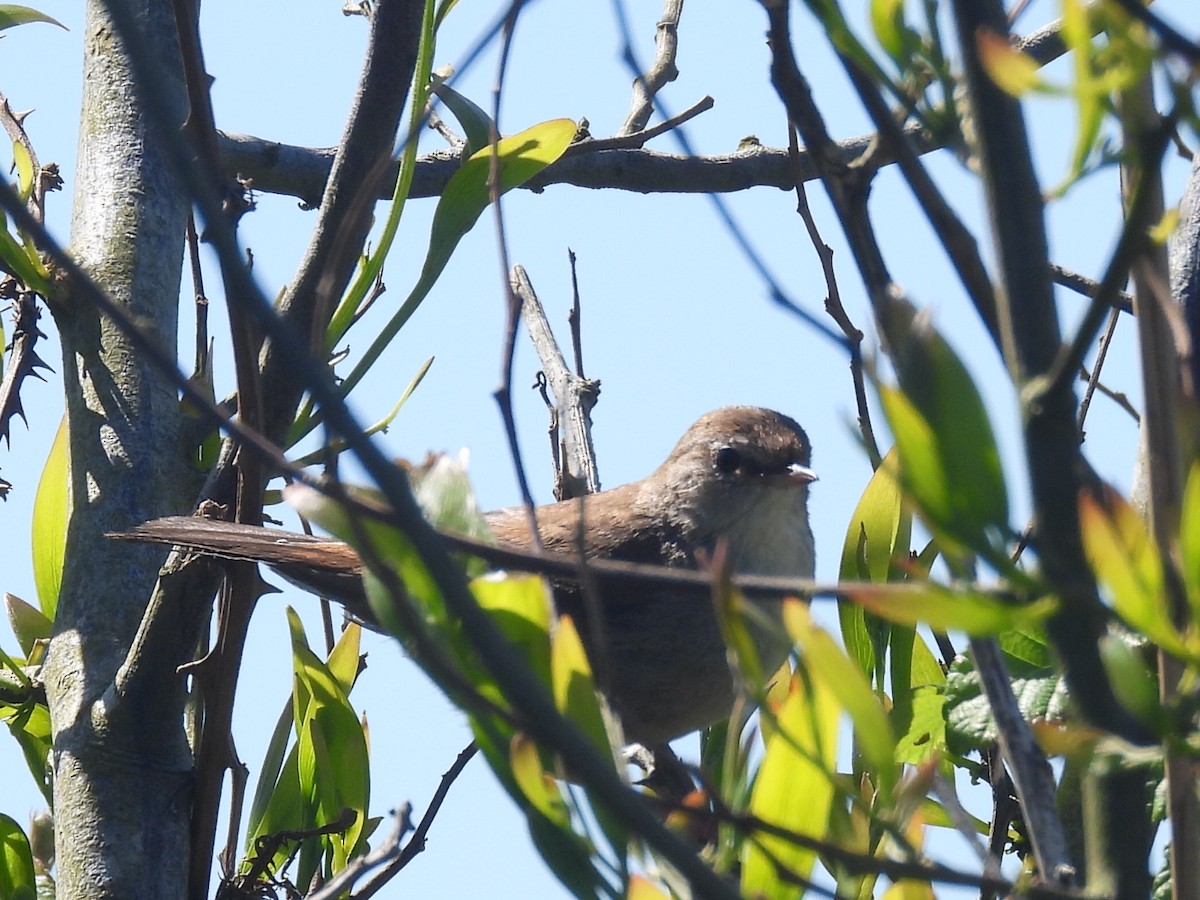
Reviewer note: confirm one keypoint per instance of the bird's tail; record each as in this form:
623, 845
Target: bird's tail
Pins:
318, 564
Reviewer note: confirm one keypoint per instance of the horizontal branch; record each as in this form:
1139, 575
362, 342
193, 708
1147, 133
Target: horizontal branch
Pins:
301, 171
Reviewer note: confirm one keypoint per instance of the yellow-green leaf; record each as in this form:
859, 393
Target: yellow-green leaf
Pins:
574, 689
1129, 568
875, 549
535, 782
793, 789
1189, 539
51, 510
1013, 71
16, 861
887, 20
950, 610
830, 665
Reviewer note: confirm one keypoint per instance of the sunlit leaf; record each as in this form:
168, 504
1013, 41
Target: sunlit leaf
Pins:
827, 663
51, 510
887, 20
29, 624
1189, 539
566, 852
538, 785
29, 724
17, 259
574, 689
877, 540
1013, 71
16, 862
1162, 230
334, 764
793, 789
443, 490
1128, 565
272, 783
23, 163
946, 609
949, 462
520, 606
12, 15
375, 541
918, 699
643, 889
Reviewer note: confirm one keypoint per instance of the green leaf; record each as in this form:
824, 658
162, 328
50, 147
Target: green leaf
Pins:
467, 195
1133, 682
23, 163
278, 792
949, 462
16, 259
444, 493
918, 698
1189, 539
476, 124
536, 784
945, 609
793, 789
334, 767
343, 660
887, 20
16, 861
1129, 568
376, 542
12, 15
30, 726
28, 623
575, 697
567, 853
51, 510
842, 678
520, 606
924, 738
876, 549
969, 721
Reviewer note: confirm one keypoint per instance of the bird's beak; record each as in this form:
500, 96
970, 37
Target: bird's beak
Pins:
802, 474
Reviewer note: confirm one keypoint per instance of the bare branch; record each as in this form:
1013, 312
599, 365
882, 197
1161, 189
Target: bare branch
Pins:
574, 396
662, 70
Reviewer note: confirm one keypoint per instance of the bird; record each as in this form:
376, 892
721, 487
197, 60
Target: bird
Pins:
737, 479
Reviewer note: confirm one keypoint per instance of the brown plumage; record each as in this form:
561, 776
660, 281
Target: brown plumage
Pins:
739, 475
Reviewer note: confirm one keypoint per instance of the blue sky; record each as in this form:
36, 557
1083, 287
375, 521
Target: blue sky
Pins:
675, 322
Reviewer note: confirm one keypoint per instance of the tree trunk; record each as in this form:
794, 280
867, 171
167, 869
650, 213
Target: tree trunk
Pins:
122, 765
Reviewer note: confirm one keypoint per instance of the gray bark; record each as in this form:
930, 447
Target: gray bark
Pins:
122, 767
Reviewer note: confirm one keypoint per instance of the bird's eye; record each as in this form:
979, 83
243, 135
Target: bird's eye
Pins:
728, 460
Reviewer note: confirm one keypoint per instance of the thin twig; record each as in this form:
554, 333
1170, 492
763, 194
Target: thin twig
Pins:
1089, 287
1118, 397
639, 139
574, 318
662, 70
836, 310
416, 843
1094, 378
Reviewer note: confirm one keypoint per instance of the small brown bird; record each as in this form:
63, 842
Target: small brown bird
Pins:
739, 475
